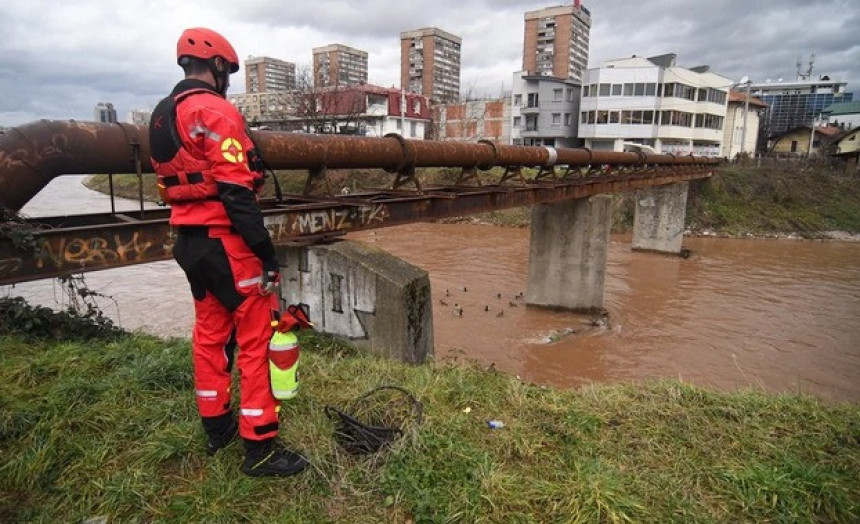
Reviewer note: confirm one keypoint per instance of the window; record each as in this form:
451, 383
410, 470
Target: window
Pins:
567, 119
413, 129
556, 119
604, 89
639, 90
628, 89
570, 95
531, 123
687, 92
626, 117
591, 117
336, 292
648, 117
703, 94
533, 100
517, 121
613, 117
716, 96
556, 95
650, 89
584, 117
518, 100
585, 91
603, 117
616, 89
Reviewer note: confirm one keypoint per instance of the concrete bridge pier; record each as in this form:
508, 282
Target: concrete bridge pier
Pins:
658, 224
567, 254
376, 300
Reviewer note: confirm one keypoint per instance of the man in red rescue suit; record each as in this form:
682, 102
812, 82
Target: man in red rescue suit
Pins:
206, 170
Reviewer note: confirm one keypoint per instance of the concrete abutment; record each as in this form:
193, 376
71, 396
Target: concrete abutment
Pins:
374, 299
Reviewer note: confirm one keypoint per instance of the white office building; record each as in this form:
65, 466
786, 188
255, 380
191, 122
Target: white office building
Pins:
653, 103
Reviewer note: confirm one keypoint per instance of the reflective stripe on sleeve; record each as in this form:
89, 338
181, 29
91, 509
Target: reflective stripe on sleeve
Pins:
250, 281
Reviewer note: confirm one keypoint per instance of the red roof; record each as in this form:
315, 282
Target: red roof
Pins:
828, 131
740, 96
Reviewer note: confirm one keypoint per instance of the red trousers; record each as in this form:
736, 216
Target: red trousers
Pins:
230, 311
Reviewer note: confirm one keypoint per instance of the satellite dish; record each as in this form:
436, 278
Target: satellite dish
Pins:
745, 79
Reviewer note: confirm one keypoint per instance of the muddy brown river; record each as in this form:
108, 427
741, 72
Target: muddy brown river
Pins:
778, 315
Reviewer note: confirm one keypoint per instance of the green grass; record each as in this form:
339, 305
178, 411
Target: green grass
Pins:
110, 429
747, 199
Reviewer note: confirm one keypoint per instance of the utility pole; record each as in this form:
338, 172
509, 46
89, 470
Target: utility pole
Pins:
811, 137
748, 82
402, 112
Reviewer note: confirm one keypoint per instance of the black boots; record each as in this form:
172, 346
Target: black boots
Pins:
269, 458
263, 458
221, 431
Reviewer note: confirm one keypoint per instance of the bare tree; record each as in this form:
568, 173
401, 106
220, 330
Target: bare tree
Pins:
324, 110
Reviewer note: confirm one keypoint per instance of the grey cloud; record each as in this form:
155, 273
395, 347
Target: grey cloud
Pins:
91, 50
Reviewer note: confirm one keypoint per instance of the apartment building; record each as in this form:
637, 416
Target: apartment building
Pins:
653, 102
544, 111
104, 112
430, 64
556, 41
264, 74
339, 65
741, 125
268, 108
139, 117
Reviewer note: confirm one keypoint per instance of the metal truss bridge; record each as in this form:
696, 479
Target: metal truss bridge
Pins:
34, 154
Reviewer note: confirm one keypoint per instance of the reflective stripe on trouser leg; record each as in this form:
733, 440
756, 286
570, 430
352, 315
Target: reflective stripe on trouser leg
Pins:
258, 417
213, 325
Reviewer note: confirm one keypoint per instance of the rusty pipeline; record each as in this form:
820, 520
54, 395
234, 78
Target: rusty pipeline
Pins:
33, 154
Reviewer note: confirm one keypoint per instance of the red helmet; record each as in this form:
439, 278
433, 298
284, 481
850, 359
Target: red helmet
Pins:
205, 43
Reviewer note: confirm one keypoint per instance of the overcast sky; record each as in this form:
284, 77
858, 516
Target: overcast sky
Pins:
58, 58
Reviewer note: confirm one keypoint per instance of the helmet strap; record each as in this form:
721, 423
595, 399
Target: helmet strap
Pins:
221, 75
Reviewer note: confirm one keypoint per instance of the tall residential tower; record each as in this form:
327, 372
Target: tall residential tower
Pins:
556, 42
339, 65
430, 64
263, 74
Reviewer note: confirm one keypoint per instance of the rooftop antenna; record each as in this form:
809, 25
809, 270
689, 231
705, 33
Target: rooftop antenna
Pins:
808, 74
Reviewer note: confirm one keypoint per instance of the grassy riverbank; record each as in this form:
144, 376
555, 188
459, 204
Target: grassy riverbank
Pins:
738, 200
109, 428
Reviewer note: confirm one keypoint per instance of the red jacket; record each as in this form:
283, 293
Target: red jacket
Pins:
199, 149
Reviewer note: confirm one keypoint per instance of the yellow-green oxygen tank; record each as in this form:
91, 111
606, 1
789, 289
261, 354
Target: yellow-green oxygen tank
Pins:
284, 364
